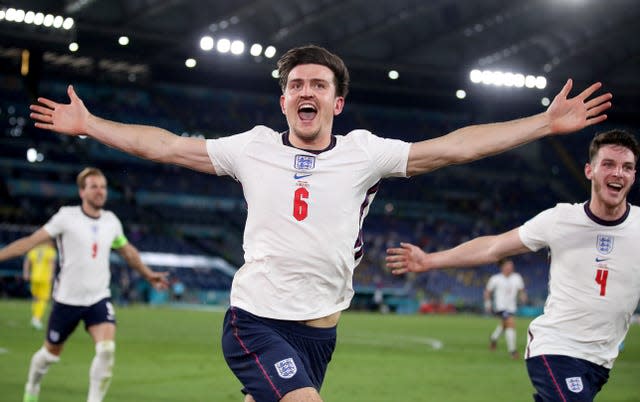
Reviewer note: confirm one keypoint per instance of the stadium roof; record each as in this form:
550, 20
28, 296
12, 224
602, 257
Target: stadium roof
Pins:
432, 44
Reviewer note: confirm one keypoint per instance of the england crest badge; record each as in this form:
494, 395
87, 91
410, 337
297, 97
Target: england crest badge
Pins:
574, 384
286, 368
604, 244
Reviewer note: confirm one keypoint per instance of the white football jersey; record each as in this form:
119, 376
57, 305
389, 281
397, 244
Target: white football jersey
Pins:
505, 291
302, 238
594, 282
84, 245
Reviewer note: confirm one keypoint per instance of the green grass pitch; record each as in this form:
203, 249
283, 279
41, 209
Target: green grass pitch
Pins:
172, 354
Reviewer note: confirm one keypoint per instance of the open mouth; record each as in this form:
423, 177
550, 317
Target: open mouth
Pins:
614, 186
307, 111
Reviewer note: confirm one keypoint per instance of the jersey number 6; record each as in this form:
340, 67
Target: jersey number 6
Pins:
300, 207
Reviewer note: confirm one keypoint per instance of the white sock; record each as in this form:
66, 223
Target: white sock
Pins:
40, 363
510, 336
101, 370
496, 333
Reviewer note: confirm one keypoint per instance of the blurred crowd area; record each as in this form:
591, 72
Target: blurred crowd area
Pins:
169, 209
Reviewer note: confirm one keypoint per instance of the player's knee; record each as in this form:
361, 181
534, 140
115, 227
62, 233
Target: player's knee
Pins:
106, 352
106, 349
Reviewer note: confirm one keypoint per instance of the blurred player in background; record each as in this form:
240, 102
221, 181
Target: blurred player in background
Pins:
501, 297
594, 278
308, 192
85, 234
38, 269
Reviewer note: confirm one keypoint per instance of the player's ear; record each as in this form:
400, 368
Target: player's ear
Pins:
282, 104
338, 105
588, 171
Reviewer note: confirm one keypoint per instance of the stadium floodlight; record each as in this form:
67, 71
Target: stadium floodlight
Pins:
38, 19
394, 75
541, 82
475, 76
275, 74
237, 47
269, 52
255, 49
224, 45
48, 20
123, 40
19, 16
58, 21
68, 23
73, 46
461, 94
32, 155
530, 81
206, 43
29, 17
545, 101
190, 63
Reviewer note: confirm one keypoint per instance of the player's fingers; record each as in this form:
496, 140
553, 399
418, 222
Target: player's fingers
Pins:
596, 120
589, 91
48, 102
600, 100
564, 92
44, 126
40, 109
399, 271
41, 117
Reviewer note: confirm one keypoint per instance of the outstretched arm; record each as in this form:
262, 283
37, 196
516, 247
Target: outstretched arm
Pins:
24, 244
146, 142
132, 257
479, 251
564, 115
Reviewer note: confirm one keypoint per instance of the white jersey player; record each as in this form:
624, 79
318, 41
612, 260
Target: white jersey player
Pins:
504, 289
85, 235
594, 278
307, 192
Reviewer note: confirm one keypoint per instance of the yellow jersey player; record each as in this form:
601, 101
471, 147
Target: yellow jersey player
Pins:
39, 267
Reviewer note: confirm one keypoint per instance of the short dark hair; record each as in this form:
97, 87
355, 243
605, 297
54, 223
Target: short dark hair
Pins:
503, 261
312, 54
81, 180
614, 137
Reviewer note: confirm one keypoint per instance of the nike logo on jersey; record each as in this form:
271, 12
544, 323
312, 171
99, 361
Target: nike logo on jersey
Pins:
299, 176
598, 259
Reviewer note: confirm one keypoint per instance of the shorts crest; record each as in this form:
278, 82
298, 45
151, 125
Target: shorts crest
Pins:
574, 384
286, 368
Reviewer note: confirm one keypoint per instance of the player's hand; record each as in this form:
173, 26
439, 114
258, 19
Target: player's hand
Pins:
406, 258
567, 115
71, 119
159, 280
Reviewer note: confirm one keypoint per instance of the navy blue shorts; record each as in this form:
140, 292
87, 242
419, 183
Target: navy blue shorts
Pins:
504, 314
274, 357
65, 318
564, 378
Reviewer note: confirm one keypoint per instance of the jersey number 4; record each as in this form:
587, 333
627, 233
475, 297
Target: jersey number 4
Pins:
300, 207
601, 279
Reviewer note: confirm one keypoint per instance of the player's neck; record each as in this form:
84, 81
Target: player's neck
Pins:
607, 212
91, 211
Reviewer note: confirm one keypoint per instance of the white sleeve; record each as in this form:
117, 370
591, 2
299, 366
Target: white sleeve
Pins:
224, 152
389, 156
535, 232
520, 284
56, 225
491, 284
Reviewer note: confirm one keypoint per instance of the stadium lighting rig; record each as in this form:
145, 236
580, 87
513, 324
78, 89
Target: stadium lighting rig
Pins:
507, 79
236, 47
35, 24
